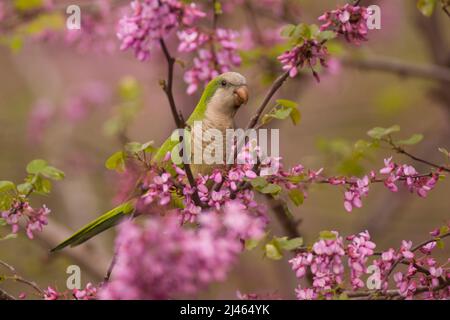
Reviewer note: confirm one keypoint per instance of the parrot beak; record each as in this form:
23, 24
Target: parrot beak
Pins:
241, 94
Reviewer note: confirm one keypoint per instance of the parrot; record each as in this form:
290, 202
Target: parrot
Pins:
216, 109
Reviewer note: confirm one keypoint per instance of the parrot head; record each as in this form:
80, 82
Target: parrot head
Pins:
227, 92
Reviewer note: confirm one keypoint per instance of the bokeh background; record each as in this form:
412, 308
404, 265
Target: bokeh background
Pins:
65, 105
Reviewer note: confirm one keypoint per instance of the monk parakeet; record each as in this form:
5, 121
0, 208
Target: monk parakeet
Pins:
216, 109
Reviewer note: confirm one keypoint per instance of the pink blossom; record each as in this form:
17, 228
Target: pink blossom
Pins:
89, 293
51, 294
176, 261
359, 189
152, 20
359, 250
35, 219
309, 54
215, 54
349, 20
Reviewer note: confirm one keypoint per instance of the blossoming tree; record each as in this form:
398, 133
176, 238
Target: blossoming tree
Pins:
173, 252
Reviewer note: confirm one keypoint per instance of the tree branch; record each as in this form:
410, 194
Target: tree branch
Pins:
5, 295
273, 89
18, 278
177, 116
432, 72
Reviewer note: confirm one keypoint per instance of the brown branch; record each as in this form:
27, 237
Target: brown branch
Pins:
273, 89
5, 295
432, 72
167, 86
377, 295
18, 278
413, 157
417, 247
177, 116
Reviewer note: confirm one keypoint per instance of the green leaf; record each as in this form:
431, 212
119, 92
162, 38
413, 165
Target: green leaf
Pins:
296, 179
271, 188
289, 244
52, 173
129, 88
379, 132
440, 244
42, 186
26, 5
2, 222
259, 182
295, 116
426, 7
217, 7
287, 103
296, 196
445, 152
148, 147
36, 166
25, 188
327, 235
414, 139
287, 31
443, 230
9, 236
272, 252
116, 161
135, 147
251, 244
5, 201
326, 35
6, 186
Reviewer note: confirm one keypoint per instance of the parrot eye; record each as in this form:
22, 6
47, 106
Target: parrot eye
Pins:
223, 83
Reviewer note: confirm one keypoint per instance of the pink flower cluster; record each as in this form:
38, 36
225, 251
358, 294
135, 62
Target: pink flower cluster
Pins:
422, 272
215, 53
152, 20
359, 188
159, 186
358, 251
352, 197
96, 33
310, 53
88, 293
51, 294
162, 259
325, 263
35, 219
413, 181
350, 21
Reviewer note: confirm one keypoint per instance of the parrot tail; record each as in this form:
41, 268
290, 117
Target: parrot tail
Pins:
106, 221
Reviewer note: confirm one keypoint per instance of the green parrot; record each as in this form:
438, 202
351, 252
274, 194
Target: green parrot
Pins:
216, 109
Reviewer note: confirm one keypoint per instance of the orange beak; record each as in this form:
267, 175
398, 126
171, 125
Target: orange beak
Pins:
241, 95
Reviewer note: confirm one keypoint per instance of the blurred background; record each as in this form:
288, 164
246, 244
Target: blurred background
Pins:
73, 106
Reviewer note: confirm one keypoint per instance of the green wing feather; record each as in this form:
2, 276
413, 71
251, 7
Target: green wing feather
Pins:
114, 216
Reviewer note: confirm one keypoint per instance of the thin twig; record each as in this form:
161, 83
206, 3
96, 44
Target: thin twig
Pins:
393, 293
403, 151
417, 247
18, 278
273, 89
433, 72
